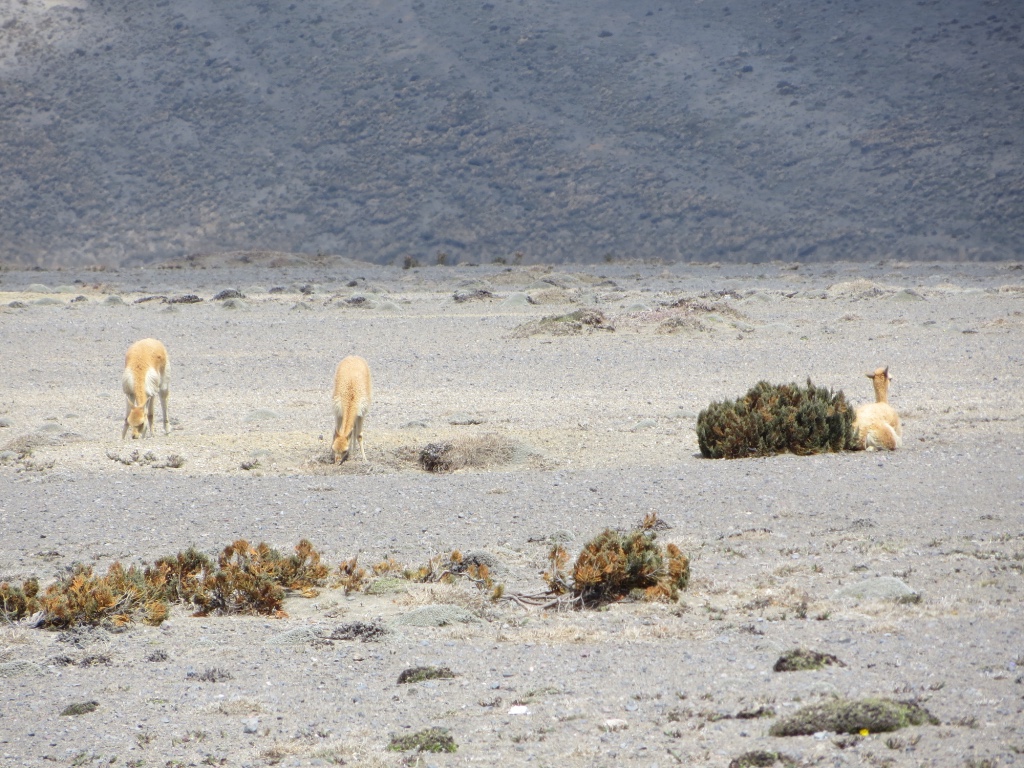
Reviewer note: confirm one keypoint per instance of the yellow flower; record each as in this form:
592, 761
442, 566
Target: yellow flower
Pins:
863, 731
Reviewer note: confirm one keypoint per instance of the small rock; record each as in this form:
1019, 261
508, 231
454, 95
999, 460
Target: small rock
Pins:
114, 301
230, 293
519, 709
251, 725
614, 724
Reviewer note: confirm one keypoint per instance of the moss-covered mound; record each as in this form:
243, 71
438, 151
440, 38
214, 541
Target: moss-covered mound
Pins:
799, 660
777, 418
845, 716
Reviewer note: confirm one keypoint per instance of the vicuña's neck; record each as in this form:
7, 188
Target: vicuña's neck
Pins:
881, 391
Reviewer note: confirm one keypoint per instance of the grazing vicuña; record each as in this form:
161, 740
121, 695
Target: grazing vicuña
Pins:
877, 424
353, 393
145, 376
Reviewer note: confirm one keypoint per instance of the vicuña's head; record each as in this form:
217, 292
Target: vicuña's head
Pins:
340, 448
881, 378
137, 421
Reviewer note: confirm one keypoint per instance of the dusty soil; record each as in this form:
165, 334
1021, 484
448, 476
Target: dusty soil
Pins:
601, 428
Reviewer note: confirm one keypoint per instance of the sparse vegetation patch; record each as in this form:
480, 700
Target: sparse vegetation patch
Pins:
772, 419
427, 740
574, 323
80, 708
419, 674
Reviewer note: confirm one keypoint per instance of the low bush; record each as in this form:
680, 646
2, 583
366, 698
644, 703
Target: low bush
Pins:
615, 565
772, 419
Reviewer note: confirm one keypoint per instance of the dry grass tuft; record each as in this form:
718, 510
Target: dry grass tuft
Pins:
470, 452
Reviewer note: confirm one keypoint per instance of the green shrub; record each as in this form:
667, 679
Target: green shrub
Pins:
845, 716
773, 419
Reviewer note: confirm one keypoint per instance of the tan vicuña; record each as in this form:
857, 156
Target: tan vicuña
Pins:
353, 393
145, 377
877, 424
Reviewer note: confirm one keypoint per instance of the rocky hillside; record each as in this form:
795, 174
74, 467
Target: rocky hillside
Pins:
564, 131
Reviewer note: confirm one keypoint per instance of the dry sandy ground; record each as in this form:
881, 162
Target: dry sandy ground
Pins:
603, 429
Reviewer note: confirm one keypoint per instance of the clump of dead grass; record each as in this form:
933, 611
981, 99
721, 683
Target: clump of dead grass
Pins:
467, 452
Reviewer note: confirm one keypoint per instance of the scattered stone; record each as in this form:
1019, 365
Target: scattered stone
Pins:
880, 588
188, 298
614, 724
18, 667
17, 305
251, 725
436, 616
114, 301
301, 305
644, 424
229, 293
5, 423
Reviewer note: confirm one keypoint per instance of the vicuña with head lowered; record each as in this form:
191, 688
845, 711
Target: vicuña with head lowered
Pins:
877, 424
145, 377
353, 393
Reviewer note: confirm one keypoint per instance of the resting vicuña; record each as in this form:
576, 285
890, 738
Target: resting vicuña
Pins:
145, 376
877, 424
353, 393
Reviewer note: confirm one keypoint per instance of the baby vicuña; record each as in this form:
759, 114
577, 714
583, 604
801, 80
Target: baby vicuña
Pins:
353, 393
145, 376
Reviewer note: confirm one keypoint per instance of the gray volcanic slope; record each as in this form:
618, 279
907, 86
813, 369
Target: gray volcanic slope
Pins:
566, 131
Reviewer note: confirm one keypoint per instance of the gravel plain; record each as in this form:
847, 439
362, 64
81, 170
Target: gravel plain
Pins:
601, 429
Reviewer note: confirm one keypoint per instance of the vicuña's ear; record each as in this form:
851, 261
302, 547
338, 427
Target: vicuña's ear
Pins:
870, 375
